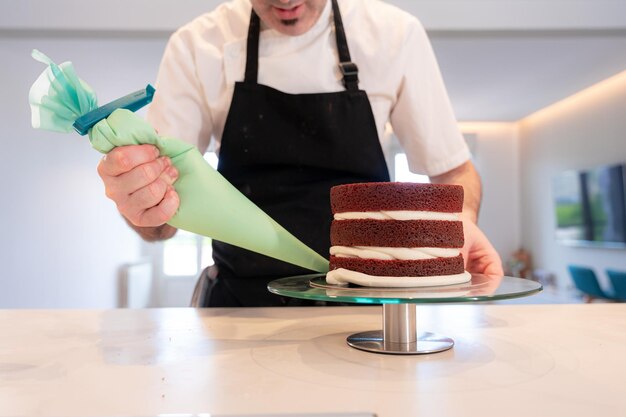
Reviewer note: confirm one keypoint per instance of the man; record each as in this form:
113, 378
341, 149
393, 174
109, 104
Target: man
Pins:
296, 102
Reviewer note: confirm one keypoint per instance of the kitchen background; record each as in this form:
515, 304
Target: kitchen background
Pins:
539, 87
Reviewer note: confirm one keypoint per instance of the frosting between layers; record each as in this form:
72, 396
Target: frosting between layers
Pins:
396, 215
386, 253
341, 276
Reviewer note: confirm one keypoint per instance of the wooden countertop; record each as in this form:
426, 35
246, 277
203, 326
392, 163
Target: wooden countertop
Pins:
509, 360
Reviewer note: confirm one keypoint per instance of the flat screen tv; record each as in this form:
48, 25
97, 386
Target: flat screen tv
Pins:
590, 206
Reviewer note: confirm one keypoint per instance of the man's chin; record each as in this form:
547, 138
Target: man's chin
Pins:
292, 27
289, 22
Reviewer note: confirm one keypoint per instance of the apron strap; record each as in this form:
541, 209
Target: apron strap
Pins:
252, 53
349, 69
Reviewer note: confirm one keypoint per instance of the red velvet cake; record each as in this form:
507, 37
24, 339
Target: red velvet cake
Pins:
396, 235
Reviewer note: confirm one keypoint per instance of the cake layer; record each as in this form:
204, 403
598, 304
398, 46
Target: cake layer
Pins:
397, 233
396, 268
396, 196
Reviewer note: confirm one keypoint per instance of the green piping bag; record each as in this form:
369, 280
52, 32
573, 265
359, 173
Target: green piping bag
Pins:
209, 204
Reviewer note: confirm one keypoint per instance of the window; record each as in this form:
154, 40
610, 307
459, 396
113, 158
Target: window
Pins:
401, 172
186, 254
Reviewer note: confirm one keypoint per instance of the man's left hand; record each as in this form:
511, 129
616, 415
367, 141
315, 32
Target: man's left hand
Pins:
480, 256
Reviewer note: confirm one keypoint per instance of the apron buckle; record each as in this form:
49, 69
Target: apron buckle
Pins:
350, 72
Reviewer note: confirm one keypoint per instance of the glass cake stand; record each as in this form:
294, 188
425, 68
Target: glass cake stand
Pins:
399, 333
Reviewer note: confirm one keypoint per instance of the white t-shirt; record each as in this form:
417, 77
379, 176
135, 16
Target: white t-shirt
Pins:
397, 69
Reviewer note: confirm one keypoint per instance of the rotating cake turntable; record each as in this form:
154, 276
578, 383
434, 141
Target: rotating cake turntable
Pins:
399, 334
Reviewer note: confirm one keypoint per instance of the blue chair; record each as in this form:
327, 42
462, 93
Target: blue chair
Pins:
587, 282
618, 281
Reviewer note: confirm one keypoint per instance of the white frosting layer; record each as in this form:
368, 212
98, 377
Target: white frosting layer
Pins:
342, 276
397, 215
384, 253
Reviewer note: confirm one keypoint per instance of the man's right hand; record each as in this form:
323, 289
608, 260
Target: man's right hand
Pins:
139, 181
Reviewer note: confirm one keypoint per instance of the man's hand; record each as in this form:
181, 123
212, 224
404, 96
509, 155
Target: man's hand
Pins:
480, 256
139, 181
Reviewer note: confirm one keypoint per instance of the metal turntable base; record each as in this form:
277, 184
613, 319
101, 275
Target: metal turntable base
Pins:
399, 334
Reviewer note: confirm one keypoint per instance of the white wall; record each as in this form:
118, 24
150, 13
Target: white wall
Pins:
62, 241
584, 131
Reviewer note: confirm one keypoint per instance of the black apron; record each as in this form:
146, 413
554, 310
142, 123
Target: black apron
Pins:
284, 152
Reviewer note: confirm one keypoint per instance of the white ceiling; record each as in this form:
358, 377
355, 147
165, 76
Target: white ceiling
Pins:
506, 76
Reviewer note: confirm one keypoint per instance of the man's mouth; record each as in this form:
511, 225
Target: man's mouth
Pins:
289, 14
